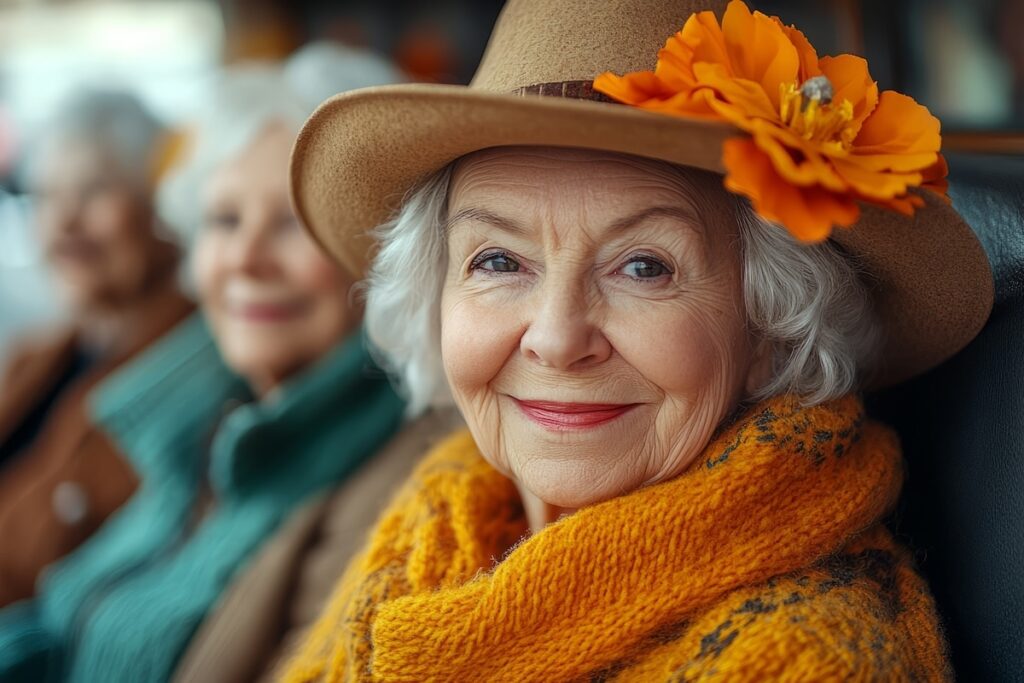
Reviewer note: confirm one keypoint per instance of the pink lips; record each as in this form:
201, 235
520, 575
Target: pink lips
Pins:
266, 313
75, 249
562, 416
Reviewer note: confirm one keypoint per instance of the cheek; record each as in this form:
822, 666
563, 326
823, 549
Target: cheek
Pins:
112, 218
318, 276
46, 222
696, 357
311, 274
681, 357
691, 351
118, 226
206, 269
476, 341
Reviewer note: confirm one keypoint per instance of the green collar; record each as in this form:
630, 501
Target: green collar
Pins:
314, 429
178, 409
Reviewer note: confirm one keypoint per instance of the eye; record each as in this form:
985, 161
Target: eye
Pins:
645, 268
495, 262
288, 222
93, 189
221, 220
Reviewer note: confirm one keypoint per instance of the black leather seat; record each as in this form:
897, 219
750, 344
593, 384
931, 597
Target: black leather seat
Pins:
962, 427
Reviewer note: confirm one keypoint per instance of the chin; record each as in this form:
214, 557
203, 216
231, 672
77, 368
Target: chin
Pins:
88, 296
252, 364
573, 484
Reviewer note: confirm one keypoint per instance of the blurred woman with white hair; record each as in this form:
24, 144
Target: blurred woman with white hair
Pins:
238, 420
92, 175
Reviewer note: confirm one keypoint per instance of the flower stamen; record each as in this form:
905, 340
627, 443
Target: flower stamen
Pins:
810, 113
817, 89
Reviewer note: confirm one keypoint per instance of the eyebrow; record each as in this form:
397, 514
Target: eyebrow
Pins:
689, 218
484, 216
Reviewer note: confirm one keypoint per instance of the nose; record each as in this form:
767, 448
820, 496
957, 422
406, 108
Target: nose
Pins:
562, 334
251, 248
62, 217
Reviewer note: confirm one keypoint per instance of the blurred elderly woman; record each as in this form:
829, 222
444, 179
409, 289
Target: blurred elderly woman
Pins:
226, 450
92, 176
668, 474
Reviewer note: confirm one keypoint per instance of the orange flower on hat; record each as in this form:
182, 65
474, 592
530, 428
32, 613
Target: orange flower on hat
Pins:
821, 136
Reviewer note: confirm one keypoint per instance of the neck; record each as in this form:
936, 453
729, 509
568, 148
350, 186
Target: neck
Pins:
265, 385
538, 513
111, 331
304, 413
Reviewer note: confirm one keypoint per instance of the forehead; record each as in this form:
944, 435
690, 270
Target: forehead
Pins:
261, 162
70, 159
535, 185
509, 175
551, 171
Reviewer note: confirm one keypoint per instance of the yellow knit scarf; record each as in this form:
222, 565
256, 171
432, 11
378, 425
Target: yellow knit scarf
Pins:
765, 561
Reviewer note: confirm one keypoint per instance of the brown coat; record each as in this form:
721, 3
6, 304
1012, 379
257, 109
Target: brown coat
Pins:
268, 607
61, 488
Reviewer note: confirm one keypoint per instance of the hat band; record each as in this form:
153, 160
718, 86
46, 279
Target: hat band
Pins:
573, 90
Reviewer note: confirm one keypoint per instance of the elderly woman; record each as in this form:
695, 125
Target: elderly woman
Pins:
92, 176
668, 474
225, 454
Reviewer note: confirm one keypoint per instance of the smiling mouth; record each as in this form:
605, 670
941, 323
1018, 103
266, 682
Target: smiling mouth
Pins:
564, 416
75, 250
266, 313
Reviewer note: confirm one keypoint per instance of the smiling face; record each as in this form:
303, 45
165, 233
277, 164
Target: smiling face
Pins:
96, 226
275, 301
592, 318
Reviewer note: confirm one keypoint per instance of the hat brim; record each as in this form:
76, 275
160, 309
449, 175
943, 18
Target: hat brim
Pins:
361, 152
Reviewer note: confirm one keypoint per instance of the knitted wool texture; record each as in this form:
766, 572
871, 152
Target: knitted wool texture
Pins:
123, 607
765, 561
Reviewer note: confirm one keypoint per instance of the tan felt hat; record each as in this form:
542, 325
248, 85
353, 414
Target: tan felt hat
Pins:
362, 151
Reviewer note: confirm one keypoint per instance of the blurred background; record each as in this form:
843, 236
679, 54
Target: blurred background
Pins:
964, 59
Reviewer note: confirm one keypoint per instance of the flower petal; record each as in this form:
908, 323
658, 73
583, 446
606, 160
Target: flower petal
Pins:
672, 87
806, 212
794, 159
758, 50
875, 184
934, 178
899, 163
904, 205
703, 37
806, 53
644, 91
675, 65
851, 80
898, 126
635, 88
748, 96
686, 104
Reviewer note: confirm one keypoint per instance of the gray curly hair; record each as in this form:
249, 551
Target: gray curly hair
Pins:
810, 303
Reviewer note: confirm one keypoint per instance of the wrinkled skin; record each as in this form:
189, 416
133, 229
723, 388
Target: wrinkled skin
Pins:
588, 277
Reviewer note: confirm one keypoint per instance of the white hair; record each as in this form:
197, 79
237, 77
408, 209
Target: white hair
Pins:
244, 100
809, 303
113, 121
